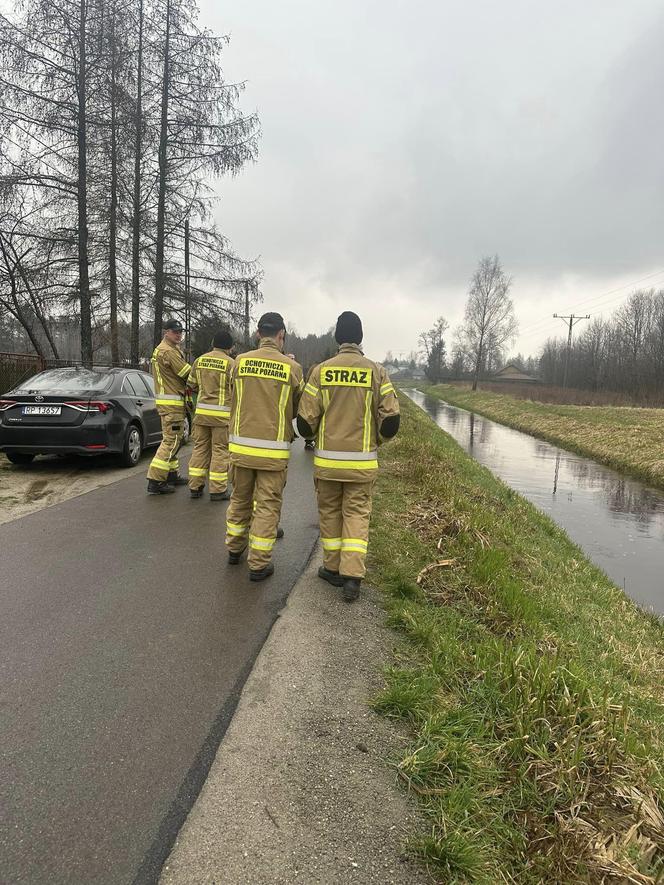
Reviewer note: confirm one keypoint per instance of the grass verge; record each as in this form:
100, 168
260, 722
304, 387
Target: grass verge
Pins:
532, 685
628, 439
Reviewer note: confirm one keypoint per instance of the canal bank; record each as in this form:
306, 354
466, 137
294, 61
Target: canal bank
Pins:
530, 682
626, 438
618, 522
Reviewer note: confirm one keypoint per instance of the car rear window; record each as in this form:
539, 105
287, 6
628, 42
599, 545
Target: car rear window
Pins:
70, 380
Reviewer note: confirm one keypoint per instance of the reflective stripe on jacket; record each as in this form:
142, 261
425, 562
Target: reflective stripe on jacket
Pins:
266, 391
169, 370
345, 401
211, 376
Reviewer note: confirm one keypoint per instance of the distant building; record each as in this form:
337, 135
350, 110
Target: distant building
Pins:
403, 372
511, 372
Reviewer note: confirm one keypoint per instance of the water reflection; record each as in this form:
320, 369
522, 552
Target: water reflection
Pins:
555, 476
619, 522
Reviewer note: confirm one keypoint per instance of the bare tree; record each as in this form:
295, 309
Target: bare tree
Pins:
201, 132
489, 322
91, 220
136, 195
432, 344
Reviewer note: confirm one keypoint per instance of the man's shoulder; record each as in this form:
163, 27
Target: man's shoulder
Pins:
269, 353
214, 355
164, 350
350, 360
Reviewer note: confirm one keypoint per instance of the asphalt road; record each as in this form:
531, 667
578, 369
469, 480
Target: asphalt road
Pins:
125, 641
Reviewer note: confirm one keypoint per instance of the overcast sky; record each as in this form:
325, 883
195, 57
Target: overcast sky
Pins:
404, 140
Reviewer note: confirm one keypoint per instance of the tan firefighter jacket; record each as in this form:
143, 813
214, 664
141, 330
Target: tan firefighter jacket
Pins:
345, 401
211, 376
266, 391
169, 370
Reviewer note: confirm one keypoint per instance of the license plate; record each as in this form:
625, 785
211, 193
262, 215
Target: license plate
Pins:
42, 410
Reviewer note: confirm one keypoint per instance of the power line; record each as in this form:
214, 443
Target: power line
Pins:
540, 325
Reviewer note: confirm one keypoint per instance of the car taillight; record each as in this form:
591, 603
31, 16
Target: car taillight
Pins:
92, 406
6, 404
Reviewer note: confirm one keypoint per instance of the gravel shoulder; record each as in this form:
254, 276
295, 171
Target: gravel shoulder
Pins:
300, 790
51, 479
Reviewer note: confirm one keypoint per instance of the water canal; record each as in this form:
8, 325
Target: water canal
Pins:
618, 521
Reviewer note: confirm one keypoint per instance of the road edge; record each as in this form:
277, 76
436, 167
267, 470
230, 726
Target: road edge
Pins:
301, 789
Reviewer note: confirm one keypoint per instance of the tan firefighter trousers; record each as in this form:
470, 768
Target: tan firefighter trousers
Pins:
344, 509
210, 456
166, 460
253, 513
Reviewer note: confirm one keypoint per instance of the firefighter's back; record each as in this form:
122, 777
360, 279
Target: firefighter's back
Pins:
265, 381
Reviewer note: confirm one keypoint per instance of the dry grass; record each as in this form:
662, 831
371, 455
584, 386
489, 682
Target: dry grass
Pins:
532, 684
546, 393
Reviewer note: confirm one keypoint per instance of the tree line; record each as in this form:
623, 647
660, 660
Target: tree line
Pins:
114, 117
624, 353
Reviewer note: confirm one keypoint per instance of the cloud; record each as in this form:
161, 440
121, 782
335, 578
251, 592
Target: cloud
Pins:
403, 141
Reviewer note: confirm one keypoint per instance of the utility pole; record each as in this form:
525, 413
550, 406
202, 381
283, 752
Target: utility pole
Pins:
187, 294
571, 320
246, 312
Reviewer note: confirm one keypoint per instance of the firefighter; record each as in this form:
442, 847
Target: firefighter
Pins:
349, 404
170, 371
211, 376
266, 391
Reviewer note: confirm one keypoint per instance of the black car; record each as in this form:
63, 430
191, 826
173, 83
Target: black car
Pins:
82, 411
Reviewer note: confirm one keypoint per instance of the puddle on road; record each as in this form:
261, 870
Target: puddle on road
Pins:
618, 521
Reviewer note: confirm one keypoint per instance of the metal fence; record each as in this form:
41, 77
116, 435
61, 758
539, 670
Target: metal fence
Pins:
16, 367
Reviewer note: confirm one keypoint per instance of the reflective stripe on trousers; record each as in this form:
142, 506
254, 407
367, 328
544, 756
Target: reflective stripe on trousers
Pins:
265, 487
344, 509
165, 460
236, 530
210, 457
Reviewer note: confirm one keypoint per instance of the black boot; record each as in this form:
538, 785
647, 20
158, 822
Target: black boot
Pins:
234, 558
159, 488
280, 533
175, 480
351, 588
331, 577
196, 493
261, 574
220, 496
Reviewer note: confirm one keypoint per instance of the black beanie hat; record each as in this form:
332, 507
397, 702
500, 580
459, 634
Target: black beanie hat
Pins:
223, 339
349, 328
271, 322
173, 326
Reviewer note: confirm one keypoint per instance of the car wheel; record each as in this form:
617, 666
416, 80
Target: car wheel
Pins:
133, 446
20, 457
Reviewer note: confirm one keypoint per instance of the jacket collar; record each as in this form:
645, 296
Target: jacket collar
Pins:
351, 348
220, 350
268, 342
165, 340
